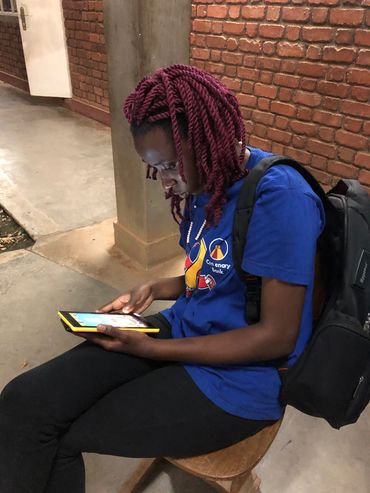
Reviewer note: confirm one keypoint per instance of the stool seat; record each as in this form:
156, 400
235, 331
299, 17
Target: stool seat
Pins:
228, 470
231, 461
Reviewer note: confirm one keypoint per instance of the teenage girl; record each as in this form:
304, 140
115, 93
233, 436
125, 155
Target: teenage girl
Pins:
209, 379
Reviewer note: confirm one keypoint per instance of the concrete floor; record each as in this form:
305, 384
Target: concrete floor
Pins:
73, 262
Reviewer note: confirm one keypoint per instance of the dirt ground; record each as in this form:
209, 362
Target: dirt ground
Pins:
12, 235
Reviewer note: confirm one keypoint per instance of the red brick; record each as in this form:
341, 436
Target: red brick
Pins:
344, 36
321, 148
267, 63
285, 94
217, 11
286, 80
265, 91
345, 154
249, 46
333, 89
232, 58
326, 134
201, 26
299, 141
367, 128
309, 129
364, 177
301, 156
283, 108
234, 12
314, 53
273, 13
290, 50
352, 124
319, 15
349, 139
216, 27
253, 12
230, 70
233, 27
361, 94
322, 177
277, 148
362, 37
263, 104
364, 58
232, 44
271, 31
295, 14
247, 100
216, 41
198, 40
215, 68
247, 87
200, 53
358, 76
336, 74
304, 113
311, 69
266, 77
318, 34
260, 130
269, 48
260, 143
319, 162
279, 136
281, 122
339, 55
248, 73
355, 109
346, 17
261, 117
307, 98
293, 33
201, 11
331, 104
308, 84
230, 83
249, 60
343, 170
323, 2
251, 29
215, 55
363, 160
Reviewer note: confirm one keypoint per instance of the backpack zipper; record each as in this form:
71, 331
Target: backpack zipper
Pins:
361, 380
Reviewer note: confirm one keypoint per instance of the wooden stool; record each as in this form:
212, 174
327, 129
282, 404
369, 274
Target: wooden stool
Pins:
227, 470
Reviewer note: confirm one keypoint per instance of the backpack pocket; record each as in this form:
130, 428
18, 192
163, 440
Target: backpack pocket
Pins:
331, 378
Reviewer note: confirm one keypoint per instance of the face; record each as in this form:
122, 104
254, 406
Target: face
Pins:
157, 149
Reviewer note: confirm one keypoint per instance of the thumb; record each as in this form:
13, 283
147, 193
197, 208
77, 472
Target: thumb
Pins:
109, 330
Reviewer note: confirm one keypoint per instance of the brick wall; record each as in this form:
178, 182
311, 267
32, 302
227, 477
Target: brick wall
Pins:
300, 70
11, 50
86, 50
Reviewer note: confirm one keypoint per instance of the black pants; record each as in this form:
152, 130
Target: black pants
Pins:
92, 400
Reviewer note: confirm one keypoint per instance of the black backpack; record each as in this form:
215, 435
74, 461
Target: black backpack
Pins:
331, 378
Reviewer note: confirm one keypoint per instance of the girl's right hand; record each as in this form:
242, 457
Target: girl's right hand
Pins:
137, 300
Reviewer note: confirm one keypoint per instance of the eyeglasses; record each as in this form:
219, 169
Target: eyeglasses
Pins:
166, 166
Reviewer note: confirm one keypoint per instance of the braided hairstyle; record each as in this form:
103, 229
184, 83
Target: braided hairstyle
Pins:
190, 102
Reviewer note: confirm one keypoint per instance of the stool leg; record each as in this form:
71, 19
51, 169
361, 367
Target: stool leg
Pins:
248, 483
137, 478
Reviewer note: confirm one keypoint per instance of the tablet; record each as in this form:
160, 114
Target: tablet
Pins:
74, 321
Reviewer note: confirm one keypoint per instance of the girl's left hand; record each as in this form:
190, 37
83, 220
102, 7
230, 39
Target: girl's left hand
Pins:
121, 341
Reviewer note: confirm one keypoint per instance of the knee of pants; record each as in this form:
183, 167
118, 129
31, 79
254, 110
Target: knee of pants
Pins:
24, 396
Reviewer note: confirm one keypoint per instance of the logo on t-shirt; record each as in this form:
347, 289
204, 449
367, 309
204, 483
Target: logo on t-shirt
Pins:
218, 249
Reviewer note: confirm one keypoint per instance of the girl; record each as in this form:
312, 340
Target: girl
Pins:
209, 379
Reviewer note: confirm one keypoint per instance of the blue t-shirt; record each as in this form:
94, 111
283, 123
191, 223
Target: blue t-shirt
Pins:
287, 219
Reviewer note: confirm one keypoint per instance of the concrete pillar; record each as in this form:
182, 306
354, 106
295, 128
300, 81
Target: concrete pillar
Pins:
141, 35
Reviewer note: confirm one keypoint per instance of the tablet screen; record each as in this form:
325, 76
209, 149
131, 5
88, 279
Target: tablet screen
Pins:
94, 319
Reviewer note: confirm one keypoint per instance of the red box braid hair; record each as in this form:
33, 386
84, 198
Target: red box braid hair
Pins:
213, 127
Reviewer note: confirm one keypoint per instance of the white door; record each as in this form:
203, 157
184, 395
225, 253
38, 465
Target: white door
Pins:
45, 50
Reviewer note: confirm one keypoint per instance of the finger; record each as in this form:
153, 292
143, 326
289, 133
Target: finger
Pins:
116, 304
92, 337
110, 331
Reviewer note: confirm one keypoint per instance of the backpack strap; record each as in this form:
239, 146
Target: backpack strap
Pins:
242, 217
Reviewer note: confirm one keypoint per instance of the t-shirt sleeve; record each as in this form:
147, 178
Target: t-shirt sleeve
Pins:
282, 235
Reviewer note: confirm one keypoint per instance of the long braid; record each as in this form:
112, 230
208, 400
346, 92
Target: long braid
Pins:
214, 126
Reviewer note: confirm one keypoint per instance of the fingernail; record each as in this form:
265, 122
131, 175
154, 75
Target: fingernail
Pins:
101, 328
